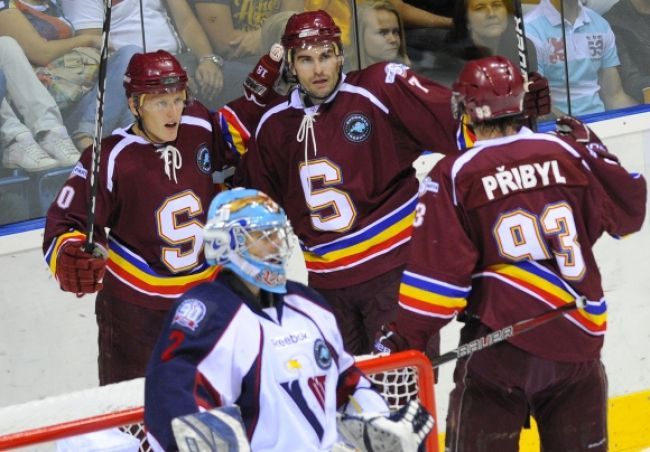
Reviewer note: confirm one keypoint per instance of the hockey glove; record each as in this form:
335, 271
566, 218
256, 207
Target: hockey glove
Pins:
388, 340
568, 126
260, 82
218, 430
576, 129
537, 101
403, 431
78, 271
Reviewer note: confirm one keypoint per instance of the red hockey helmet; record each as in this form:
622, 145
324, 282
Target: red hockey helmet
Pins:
488, 88
154, 73
311, 28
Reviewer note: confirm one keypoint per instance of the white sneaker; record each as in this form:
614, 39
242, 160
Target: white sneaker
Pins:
25, 153
58, 144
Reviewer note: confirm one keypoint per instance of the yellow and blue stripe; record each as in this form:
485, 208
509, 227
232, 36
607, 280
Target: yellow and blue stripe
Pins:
380, 237
133, 271
234, 132
544, 285
432, 297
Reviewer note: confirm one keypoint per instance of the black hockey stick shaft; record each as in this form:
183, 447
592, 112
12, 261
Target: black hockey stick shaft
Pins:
566, 59
505, 333
89, 245
522, 47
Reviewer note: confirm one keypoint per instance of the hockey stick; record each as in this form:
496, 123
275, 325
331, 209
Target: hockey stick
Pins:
507, 332
89, 245
566, 59
522, 47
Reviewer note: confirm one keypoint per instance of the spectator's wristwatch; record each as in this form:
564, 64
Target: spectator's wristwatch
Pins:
216, 59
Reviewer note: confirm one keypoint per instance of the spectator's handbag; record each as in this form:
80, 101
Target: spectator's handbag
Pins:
70, 76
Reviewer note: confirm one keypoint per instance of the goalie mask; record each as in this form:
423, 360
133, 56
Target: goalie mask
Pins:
488, 88
248, 233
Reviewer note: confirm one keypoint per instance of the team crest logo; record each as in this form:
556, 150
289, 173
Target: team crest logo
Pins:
322, 354
189, 314
203, 160
356, 128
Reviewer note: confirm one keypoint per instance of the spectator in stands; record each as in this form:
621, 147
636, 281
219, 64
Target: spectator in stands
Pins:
38, 141
381, 33
594, 82
481, 28
234, 27
630, 20
45, 34
234, 30
168, 25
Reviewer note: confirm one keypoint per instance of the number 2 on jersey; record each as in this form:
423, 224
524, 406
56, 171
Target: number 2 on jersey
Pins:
522, 235
331, 208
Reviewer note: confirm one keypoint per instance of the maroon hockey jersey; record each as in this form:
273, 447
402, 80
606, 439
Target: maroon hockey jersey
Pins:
153, 201
505, 232
343, 171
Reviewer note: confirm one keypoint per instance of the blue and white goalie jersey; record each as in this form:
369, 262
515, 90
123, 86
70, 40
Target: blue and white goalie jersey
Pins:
284, 366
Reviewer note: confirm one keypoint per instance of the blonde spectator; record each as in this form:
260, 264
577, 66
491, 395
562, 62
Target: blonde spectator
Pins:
381, 33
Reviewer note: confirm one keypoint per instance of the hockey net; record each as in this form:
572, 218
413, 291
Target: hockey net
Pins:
400, 377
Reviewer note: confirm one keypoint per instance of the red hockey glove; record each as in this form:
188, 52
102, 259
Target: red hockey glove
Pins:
78, 271
260, 82
537, 101
388, 340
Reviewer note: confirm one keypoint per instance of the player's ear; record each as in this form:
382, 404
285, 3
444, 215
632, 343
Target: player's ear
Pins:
133, 107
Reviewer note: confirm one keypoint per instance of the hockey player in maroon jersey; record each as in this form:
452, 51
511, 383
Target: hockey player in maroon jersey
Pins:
505, 232
155, 185
337, 154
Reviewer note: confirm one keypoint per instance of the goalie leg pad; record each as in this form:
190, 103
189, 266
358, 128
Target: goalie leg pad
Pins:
217, 430
403, 431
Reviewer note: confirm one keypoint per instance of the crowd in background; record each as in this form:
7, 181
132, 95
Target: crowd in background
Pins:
49, 61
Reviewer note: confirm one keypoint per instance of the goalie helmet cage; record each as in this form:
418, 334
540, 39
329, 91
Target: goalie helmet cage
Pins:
400, 377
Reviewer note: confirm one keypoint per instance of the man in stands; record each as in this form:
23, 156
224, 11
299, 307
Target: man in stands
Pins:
155, 183
505, 233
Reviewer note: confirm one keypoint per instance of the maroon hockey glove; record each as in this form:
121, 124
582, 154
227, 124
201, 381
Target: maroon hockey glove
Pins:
259, 83
537, 101
388, 340
568, 126
79, 272
578, 130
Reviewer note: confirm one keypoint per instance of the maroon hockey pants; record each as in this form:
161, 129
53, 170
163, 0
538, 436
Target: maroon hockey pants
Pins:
361, 309
127, 336
498, 387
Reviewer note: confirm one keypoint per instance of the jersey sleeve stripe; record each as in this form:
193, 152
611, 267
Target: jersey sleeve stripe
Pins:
233, 130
